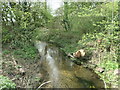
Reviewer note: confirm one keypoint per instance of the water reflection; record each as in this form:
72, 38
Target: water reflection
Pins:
62, 72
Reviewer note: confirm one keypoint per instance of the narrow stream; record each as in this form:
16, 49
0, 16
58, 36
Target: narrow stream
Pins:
62, 72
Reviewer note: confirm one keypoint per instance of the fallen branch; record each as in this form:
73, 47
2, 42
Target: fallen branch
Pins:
43, 84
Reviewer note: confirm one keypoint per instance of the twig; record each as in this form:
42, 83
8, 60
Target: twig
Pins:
43, 84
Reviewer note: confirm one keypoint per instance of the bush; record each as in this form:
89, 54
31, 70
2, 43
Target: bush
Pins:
104, 53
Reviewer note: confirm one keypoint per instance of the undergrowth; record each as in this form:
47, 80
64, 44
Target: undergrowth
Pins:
67, 41
6, 83
105, 52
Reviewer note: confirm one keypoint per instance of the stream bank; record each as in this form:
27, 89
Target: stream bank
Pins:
33, 73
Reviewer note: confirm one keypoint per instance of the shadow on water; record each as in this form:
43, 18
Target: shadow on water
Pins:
62, 73
85, 82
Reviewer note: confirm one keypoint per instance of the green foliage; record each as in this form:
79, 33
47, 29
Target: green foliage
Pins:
106, 50
5, 83
18, 28
104, 42
27, 16
66, 40
26, 51
110, 66
5, 52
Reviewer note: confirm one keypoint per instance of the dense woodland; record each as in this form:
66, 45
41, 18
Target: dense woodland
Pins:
92, 26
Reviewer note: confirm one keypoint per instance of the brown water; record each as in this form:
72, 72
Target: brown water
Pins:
63, 73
